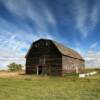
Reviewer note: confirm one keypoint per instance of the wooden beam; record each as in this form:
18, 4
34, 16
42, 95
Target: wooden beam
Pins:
37, 70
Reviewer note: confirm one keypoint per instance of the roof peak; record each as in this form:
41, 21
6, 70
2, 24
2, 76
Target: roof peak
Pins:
44, 39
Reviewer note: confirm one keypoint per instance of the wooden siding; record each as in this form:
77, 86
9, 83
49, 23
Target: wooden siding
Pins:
70, 64
52, 62
45, 58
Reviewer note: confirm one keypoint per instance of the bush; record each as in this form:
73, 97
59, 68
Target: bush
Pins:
15, 67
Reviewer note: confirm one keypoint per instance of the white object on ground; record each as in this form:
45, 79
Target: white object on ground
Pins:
87, 74
93, 73
82, 75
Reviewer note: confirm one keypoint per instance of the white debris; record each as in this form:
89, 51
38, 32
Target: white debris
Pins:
82, 75
93, 73
87, 74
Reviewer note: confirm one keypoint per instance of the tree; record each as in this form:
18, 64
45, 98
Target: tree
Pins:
15, 67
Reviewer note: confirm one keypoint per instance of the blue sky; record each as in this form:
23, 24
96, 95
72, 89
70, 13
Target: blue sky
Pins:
74, 23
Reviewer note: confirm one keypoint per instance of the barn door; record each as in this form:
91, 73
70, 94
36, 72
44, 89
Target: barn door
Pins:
40, 70
41, 65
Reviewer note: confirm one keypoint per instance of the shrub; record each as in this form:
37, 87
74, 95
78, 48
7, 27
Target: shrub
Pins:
15, 67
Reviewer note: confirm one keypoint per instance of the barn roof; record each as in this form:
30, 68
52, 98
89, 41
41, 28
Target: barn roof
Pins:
63, 50
67, 51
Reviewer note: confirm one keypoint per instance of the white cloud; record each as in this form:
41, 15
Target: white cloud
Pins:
13, 39
25, 9
86, 21
92, 57
48, 15
94, 45
79, 47
11, 51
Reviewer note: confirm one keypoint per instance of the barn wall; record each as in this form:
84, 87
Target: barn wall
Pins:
53, 65
69, 64
53, 58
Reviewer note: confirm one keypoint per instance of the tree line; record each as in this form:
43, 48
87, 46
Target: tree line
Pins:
14, 67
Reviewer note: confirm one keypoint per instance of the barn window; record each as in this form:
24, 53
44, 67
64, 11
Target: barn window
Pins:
36, 45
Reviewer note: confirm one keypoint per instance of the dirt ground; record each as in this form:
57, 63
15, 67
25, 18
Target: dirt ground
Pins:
10, 74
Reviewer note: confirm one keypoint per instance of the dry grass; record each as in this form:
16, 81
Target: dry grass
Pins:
5, 74
8, 74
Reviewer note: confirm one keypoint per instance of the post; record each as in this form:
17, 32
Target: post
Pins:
37, 70
77, 70
44, 60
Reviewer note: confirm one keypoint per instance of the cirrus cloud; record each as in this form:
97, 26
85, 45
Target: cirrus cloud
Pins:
86, 21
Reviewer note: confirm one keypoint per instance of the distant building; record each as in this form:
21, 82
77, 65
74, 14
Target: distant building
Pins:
49, 57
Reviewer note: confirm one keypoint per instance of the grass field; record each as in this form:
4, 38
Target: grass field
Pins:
21, 87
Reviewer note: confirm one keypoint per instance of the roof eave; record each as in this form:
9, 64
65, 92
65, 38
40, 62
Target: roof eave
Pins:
73, 57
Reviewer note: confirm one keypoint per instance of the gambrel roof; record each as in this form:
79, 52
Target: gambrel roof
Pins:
67, 51
63, 50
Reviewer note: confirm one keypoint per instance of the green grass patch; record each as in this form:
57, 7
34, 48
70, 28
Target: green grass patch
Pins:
50, 88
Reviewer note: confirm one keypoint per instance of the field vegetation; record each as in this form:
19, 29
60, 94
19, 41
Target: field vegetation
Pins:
17, 86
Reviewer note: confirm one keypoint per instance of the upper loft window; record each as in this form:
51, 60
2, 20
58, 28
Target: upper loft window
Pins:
42, 44
36, 45
47, 43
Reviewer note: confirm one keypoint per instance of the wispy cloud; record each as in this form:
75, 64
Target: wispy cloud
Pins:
92, 59
92, 56
78, 47
86, 20
94, 45
15, 42
26, 10
34, 19
16, 38
10, 51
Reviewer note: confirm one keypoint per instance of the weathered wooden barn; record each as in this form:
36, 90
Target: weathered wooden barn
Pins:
49, 57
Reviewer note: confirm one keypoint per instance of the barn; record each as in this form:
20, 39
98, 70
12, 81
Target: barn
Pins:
47, 57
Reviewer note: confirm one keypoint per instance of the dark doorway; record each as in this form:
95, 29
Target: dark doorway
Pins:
40, 69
